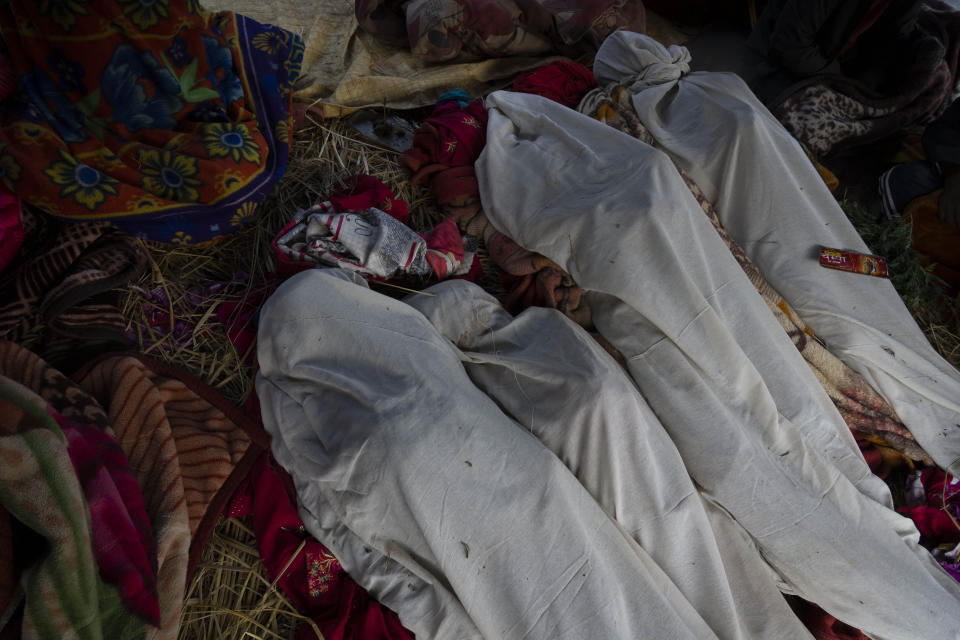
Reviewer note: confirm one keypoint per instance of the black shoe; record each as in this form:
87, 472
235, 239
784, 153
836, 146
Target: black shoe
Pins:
901, 183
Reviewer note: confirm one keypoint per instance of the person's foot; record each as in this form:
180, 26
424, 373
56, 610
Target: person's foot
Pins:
901, 183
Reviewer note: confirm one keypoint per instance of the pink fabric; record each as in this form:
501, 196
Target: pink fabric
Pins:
444, 248
123, 544
314, 581
11, 226
562, 81
363, 192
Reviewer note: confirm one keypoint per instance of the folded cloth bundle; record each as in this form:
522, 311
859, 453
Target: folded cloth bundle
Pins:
561, 81
370, 242
350, 230
447, 29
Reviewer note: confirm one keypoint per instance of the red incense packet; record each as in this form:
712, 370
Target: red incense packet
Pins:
854, 262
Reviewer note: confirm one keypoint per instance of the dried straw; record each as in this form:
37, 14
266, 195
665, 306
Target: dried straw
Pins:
231, 597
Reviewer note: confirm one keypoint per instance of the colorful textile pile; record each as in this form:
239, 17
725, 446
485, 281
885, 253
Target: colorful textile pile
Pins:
170, 122
827, 110
179, 445
444, 149
117, 512
452, 29
305, 569
933, 503
62, 279
865, 412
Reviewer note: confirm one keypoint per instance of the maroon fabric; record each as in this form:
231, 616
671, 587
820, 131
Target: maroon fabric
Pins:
562, 81
237, 315
445, 147
9, 579
363, 192
123, 544
939, 518
313, 578
824, 626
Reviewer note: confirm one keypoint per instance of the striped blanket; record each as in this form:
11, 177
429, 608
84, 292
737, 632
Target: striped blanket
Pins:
186, 447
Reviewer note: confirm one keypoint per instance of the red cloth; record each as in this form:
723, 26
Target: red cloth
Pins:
11, 228
363, 192
562, 81
314, 581
444, 248
824, 626
939, 519
445, 147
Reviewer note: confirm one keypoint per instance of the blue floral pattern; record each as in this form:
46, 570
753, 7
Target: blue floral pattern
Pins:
55, 107
69, 72
177, 52
126, 92
222, 75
